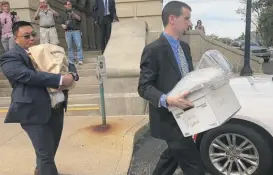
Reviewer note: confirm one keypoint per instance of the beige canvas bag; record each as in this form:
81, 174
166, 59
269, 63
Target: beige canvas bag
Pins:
50, 58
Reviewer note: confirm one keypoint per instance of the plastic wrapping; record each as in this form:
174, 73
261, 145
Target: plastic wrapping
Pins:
212, 72
214, 58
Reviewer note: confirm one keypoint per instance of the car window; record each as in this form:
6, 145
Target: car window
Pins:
254, 44
235, 44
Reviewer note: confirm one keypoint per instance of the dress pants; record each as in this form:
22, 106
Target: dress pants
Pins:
182, 152
105, 31
45, 139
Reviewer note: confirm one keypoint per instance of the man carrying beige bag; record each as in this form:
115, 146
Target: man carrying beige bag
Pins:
31, 104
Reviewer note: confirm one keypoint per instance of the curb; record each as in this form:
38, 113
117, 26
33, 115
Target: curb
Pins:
129, 140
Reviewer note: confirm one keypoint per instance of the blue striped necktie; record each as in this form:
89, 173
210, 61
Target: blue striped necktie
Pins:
183, 61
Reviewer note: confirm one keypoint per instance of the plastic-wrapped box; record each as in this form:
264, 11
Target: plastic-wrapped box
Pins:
213, 99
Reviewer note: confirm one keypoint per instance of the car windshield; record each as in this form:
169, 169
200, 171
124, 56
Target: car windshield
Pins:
253, 44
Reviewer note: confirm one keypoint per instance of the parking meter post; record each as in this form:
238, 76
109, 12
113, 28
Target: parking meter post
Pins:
101, 75
102, 104
246, 70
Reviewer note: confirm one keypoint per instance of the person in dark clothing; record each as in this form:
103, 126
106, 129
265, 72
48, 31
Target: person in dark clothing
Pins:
105, 14
30, 101
163, 64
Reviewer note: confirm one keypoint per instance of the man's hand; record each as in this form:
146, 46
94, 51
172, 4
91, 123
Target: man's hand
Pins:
116, 20
48, 7
67, 80
179, 101
64, 26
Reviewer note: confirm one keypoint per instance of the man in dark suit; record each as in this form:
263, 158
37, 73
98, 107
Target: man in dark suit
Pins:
163, 63
105, 14
30, 101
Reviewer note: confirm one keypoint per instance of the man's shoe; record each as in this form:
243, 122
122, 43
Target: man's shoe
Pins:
80, 62
36, 171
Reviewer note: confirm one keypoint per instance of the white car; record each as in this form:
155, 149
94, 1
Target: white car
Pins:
244, 144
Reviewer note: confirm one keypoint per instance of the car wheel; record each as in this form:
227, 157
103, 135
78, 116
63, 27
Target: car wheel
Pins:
234, 149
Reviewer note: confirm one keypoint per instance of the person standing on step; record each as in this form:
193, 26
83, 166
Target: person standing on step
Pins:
7, 18
30, 101
105, 14
71, 25
48, 32
163, 63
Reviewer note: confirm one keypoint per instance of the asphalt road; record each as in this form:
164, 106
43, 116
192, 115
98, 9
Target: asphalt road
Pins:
148, 150
268, 67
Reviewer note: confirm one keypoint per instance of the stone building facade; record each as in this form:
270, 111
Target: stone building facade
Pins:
147, 10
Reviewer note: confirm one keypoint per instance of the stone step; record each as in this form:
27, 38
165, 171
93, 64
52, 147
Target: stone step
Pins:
87, 72
86, 66
91, 53
2, 76
85, 80
5, 92
81, 72
72, 110
83, 99
73, 99
4, 84
83, 89
87, 69
89, 60
79, 89
87, 54
83, 110
4, 101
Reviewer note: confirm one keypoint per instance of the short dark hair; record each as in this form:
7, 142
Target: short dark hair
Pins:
173, 8
18, 24
5, 3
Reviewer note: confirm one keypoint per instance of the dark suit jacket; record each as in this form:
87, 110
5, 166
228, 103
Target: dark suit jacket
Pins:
99, 10
159, 74
30, 101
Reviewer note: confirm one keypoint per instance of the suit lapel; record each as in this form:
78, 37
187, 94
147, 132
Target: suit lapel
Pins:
25, 56
171, 56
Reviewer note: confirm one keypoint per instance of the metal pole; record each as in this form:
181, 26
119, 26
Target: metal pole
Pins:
246, 70
102, 104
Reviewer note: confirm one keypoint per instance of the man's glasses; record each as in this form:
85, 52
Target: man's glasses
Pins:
27, 36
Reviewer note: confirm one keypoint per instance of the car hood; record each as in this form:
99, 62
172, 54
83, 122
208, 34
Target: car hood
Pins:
257, 47
258, 84
255, 94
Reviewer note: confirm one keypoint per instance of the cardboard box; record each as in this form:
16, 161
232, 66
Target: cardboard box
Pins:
212, 107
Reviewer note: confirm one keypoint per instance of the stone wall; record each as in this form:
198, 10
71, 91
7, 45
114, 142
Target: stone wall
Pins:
146, 10
200, 43
27, 8
121, 96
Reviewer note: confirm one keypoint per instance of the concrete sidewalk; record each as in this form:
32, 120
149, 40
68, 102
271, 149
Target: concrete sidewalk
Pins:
82, 150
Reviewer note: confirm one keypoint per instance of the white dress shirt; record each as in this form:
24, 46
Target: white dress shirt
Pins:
107, 12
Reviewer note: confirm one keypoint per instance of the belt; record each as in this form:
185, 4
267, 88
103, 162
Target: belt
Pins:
71, 30
47, 27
